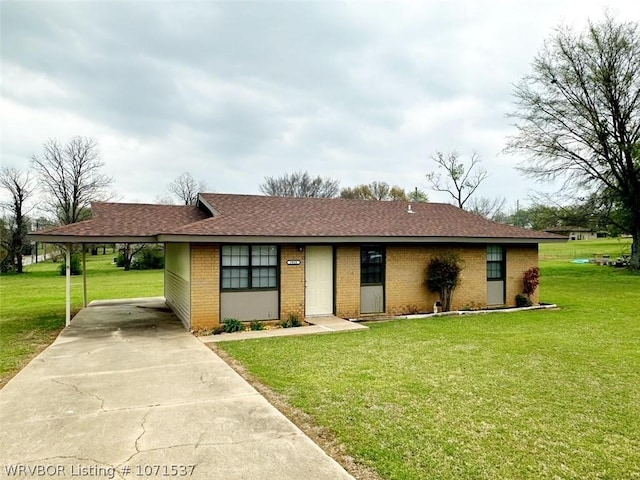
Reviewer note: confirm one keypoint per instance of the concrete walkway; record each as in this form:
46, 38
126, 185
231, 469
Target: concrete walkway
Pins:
126, 392
323, 324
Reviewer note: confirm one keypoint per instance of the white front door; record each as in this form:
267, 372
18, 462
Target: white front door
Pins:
319, 280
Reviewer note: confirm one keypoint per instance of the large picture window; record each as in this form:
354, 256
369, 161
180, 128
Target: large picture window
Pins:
495, 262
371, 265
249, 266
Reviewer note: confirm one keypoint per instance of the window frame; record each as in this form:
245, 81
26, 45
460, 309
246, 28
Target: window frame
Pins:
250, 267
502, 263
382, 264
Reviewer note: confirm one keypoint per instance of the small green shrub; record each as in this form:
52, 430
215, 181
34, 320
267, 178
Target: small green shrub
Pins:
231, 325
523, 301
6, 265
256, 325
148, 258
291, 321
120, 260
76, 268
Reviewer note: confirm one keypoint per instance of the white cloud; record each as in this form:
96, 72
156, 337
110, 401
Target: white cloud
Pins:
233, 92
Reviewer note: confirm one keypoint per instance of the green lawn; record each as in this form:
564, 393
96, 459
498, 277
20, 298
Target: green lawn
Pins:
614, 247
545, 394
32, 305
542, 394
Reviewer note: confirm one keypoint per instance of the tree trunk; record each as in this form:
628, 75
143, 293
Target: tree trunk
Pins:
635, 249
126, 251
445, 298
18, 244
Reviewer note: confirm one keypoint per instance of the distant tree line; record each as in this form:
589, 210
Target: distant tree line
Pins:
303, 184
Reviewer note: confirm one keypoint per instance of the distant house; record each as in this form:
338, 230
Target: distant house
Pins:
574, 233
256, 257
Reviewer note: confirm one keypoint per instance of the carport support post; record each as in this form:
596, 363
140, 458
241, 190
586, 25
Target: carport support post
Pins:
68, 274
84, 275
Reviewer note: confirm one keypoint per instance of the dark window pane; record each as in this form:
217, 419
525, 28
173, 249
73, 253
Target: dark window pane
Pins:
495, 262
264, 277
235, 255
371, 265
234, 277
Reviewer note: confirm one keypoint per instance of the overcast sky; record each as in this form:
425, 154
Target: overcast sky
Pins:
233, 92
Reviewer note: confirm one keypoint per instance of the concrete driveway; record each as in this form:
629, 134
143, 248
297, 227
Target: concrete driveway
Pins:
126, 392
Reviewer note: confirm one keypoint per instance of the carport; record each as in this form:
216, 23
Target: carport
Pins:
126, 223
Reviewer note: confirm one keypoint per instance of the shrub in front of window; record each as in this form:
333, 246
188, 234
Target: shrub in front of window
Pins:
443, 276
232, 325
257, 325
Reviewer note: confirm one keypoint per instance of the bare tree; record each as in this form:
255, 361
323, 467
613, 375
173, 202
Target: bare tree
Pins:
300, 184
128, 251
20, 187
491, 208
380, 191
71, 178
186, 188
460, 180
578, 116
164, 200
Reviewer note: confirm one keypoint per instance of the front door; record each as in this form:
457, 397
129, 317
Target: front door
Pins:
319, 280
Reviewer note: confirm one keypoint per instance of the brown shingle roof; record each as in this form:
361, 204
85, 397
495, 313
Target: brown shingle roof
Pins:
130, 220
251, 215
261, 216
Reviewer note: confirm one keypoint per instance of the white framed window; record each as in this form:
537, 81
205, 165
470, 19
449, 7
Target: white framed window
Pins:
246, 267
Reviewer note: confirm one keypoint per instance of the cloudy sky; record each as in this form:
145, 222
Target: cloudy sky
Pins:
235, 91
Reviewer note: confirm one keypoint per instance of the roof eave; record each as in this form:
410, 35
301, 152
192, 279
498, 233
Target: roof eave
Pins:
48, 238
177, 238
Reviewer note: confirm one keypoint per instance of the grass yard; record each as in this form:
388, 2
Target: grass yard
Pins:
32, 305
614, 247
542, 394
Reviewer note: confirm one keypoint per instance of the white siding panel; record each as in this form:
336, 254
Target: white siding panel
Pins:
178, 259
177, 278
178, 297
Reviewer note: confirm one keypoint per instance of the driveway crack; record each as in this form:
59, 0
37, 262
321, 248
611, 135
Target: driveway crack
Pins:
82, 392
135, 444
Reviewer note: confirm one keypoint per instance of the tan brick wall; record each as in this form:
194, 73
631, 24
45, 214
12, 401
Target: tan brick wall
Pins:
205, 286
472, 292
406, 290
291, 282
519, 260
347, 277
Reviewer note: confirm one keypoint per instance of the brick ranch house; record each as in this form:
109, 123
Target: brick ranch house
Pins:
256, 257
